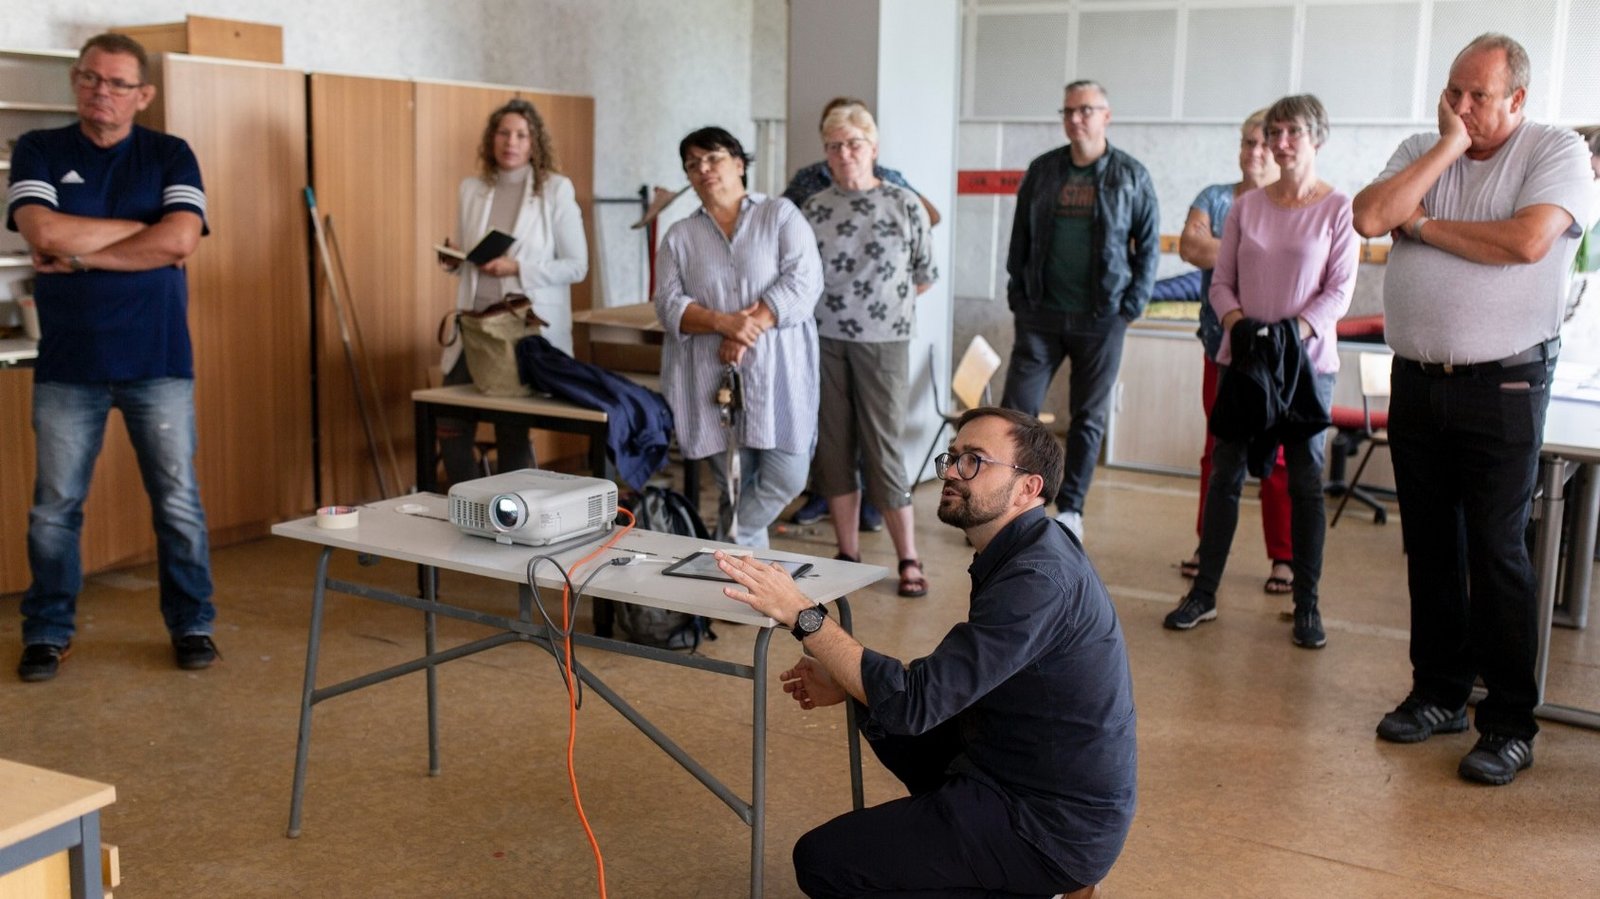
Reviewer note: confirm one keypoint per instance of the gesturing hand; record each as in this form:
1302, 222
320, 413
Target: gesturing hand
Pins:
811, 685
767, 588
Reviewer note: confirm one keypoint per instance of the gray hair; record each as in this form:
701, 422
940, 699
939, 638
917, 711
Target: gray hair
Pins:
1302, 108
1516, 57
1084, 84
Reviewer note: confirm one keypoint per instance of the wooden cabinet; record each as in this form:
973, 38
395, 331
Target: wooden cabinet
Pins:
207, 36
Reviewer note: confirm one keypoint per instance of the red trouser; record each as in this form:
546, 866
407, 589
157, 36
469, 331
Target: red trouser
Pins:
1274, 490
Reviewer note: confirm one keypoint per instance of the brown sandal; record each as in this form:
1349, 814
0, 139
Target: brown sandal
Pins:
912, 585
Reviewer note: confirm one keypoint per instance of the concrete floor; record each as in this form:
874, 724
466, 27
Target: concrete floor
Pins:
1259, 771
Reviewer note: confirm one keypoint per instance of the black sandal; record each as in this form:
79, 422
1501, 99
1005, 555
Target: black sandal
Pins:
1279, 586
912, 587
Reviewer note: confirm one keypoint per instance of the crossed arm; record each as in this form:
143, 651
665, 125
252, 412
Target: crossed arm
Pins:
1395, 206
111, 244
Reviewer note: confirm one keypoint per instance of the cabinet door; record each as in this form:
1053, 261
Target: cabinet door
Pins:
1156, 421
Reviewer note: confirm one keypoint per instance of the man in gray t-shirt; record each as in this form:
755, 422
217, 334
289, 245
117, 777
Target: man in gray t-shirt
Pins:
1484, 216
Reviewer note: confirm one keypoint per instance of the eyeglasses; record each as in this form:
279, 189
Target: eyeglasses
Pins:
89, 81
854, 145
967, 465
1079, 112
709, 161
1293, 132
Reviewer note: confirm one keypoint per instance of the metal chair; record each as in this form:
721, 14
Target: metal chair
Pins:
969, 386
1366, 425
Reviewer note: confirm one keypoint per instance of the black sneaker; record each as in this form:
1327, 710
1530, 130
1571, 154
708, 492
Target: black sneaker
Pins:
1308, 633
1415, 720
41, 661
1496, 759
813, 510
1192, 609
195, 651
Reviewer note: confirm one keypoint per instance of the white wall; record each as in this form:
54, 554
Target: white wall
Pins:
656, 70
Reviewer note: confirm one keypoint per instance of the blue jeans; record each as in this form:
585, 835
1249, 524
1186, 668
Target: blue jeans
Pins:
1094, 346
1466, 458
69, 424
1308, 525
770, 480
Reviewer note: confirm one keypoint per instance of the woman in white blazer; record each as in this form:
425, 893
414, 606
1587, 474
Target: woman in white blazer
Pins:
517, 191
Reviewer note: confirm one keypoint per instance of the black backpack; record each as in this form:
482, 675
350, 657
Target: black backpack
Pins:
667, 511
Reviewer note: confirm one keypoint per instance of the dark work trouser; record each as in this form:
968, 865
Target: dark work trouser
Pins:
952, 837
1466, 457
1094, 348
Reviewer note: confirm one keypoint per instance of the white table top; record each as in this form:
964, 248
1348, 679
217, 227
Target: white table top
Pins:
468, 396
427, 537
1572, 430
17, 349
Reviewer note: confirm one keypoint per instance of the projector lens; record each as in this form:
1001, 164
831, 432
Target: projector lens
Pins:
506, 512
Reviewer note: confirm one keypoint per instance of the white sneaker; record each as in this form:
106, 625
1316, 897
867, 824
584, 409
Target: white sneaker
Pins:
1073, 522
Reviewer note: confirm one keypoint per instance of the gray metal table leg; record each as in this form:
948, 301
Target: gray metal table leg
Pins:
313, 644
758, 761
84, 859
852, 736
1547, 556
1573, 610
430, 641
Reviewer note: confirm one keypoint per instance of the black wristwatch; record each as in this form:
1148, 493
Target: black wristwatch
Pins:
809, 621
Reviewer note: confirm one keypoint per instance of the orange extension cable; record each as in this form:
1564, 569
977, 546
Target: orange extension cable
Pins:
572, 694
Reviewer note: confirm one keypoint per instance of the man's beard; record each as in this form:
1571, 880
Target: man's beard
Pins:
969, 511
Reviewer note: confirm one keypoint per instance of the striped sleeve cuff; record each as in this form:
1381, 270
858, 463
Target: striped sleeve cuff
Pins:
184, 195
22, 193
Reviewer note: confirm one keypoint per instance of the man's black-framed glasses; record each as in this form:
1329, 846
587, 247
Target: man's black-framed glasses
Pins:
89, 81
967, 465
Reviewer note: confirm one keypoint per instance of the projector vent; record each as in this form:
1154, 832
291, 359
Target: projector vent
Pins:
468, 514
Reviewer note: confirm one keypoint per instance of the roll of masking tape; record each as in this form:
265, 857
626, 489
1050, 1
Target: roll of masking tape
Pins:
338, 517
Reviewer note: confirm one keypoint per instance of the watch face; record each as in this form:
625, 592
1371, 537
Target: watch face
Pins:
809, 621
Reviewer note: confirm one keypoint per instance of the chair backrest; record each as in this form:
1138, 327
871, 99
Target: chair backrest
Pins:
978, 365
1375, 374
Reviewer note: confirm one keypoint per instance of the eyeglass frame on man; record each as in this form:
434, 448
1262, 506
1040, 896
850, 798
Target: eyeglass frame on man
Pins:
943, 462
83, 79
1085, 111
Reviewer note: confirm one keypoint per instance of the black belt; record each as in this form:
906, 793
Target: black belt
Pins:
1541, 352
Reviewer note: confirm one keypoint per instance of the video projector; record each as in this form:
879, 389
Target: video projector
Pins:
533, 507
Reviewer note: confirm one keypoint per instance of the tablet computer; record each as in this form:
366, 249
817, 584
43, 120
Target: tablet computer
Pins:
703, 565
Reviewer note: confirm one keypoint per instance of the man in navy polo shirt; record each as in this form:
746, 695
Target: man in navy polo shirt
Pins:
110, 211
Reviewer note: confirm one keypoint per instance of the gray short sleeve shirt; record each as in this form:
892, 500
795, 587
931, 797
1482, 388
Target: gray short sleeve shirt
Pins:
1440, 307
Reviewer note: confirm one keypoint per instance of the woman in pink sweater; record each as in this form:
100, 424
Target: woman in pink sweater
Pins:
1288, 253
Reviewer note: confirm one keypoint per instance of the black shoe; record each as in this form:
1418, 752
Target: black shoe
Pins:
195, 651
1415, 720
1192, 609
1308, 633
40, 661
1496, 759
871, 519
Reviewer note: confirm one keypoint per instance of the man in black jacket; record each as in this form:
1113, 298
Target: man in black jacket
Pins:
1016, 736
1084, 246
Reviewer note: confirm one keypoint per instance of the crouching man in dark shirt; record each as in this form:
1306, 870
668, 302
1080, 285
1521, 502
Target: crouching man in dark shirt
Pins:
1015, 736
